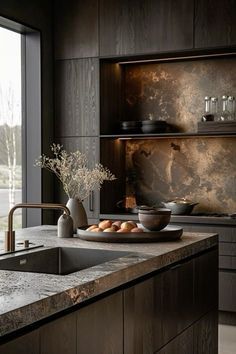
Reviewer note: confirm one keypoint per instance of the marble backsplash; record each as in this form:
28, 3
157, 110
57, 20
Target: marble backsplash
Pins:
202, 170
175, 91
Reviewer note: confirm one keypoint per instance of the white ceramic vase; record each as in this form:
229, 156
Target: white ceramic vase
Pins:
77, 213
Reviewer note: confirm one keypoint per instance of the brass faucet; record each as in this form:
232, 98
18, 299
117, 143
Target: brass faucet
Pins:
10, 234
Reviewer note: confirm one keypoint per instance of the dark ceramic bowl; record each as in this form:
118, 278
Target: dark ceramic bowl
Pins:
154, 219
184, 208
153, 126
131, 126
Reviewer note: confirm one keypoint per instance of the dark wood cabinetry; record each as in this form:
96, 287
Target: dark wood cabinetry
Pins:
152, 315
100, 326
227, 266
26, 344
76, 29
182, 344
77, 97
205, 332
159, 309
136, 27
59, 336
215, 23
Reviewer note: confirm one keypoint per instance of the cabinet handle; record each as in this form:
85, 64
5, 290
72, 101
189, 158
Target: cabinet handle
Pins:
91, 201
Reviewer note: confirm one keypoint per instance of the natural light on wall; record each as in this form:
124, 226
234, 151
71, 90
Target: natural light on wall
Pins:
10, 125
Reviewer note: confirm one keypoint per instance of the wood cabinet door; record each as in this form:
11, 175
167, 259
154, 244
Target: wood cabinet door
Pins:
177, 300
137, 26
26, 344
158, 309
59, 336
182, 344
90, 147
215, 23
76, 29
227, 291
142, 316
205, 333
100, 326
76, 98
206, 283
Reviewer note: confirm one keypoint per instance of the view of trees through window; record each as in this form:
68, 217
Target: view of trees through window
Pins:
10, 125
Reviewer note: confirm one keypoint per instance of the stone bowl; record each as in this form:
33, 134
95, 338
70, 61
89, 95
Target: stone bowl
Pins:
154, 219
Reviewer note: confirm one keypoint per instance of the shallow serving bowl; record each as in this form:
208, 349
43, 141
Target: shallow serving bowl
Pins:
154, 219
180, 206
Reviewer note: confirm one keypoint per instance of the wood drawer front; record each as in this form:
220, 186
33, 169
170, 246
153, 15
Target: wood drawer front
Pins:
227, 291
226, 234
206, 283
227, 249
227, 262
181, 344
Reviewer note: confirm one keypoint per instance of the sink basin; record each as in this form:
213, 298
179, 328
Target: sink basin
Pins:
59, 260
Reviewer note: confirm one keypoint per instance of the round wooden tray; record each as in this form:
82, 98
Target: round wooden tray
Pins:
169, 233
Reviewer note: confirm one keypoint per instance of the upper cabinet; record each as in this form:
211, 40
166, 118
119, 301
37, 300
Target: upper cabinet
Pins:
215, 23
136, 27
76, 29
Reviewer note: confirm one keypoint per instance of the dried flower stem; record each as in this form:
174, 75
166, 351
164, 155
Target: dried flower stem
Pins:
71, 169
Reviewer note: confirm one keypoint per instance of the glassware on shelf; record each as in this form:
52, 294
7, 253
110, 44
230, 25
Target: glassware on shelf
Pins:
231, 108
214, 108
207, 110
224, 116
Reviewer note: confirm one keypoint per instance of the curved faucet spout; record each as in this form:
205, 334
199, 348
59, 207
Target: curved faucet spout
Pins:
10, 234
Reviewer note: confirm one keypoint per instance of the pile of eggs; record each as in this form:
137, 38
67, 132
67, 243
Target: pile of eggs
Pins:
115, 226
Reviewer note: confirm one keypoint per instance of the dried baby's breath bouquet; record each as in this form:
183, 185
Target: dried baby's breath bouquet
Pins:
71, 169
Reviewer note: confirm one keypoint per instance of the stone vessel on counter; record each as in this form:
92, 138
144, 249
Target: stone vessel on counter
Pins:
77, 213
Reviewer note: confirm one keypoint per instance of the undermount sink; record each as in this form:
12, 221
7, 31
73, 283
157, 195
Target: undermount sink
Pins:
59, 260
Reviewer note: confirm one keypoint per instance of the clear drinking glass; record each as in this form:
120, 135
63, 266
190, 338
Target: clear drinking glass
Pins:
231, 107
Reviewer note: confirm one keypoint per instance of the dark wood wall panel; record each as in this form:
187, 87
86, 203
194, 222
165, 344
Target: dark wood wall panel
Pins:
76, 29
88, 146
215, 23
136, 26
77, 97
111, 101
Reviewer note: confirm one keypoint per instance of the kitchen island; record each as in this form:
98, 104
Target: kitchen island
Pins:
157, 298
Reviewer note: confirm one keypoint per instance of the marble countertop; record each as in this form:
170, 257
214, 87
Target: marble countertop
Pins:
26, 298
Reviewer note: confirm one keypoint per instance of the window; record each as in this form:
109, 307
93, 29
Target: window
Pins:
10, 125
20, 121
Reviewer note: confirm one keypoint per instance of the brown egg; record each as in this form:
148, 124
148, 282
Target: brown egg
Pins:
133, 223
105, 224
90, 228
117, 223
97, 229
115, 227
137, 229
127, 225
123, 230
111, 229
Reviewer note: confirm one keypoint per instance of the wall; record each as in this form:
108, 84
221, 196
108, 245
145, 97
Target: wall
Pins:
175, 91
200, 169
38, 15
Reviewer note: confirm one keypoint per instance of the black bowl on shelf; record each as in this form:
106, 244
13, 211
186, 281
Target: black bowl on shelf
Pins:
131, 127
153, 126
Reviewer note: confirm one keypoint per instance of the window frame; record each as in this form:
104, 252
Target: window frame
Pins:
31, 118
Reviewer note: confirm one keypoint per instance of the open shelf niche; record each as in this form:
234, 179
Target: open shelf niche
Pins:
180, 163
